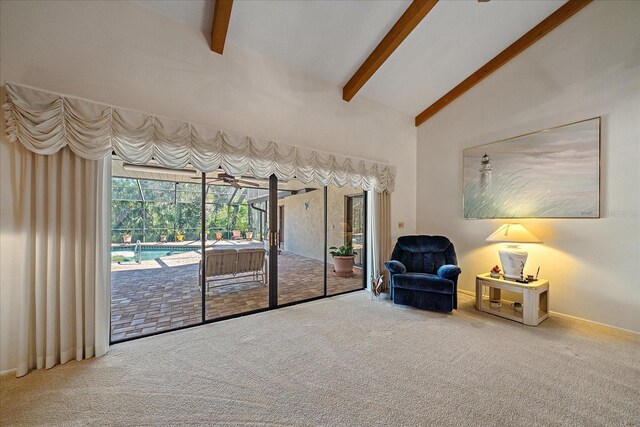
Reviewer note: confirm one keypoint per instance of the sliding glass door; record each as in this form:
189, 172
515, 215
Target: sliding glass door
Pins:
301, 242
155, 252
189, 248
346, 239
236, 278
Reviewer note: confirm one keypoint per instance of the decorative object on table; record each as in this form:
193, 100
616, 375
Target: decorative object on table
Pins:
526, 176
513, 257
343, 260
424, 273
517, 306
495, 272
495, 303
376, 284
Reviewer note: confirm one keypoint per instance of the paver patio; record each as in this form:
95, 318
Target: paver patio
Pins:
163, 294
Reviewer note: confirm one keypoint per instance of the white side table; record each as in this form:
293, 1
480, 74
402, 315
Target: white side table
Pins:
535, 299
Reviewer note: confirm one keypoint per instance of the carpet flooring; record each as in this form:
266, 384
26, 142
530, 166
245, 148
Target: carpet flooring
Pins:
350, 361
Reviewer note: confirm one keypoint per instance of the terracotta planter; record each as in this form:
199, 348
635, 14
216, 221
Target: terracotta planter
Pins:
126, 239
163, 239
248, 235
343, 266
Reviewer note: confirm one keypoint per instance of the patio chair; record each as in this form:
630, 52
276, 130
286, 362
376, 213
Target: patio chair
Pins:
227, 265
252, 261
219, 262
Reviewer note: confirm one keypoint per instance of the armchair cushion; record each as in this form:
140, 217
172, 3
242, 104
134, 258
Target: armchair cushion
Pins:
395, 267
423, 282
449, 271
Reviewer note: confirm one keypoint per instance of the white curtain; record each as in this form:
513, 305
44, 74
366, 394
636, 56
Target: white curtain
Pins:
379, 204
45, 122
64, 206
65, 189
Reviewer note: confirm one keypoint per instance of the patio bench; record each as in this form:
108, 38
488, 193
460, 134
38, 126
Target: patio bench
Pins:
226, 265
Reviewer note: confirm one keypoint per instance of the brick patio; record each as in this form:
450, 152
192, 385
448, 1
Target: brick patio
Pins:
163, 294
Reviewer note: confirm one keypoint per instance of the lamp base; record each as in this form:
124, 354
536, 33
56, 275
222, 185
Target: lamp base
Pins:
513, 259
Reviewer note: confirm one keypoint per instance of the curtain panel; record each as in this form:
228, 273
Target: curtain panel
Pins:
45, 122
379, 204
63, 206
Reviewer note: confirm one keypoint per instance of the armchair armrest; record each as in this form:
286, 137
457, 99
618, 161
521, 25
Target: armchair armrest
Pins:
449, 271
395, 267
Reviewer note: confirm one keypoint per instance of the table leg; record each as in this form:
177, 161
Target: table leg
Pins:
530, 301
478, 295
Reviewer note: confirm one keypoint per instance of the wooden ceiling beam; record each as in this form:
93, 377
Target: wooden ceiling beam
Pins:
563, 13
221, 17
400, 30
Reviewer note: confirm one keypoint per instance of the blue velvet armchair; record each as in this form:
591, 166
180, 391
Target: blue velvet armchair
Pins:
424, 273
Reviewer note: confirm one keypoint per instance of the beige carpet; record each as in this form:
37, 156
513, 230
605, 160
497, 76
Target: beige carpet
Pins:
346, 361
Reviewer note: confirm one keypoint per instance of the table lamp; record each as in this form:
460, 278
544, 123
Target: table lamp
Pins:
513, 257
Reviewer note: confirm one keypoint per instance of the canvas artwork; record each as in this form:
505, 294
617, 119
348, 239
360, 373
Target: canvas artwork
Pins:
554, 173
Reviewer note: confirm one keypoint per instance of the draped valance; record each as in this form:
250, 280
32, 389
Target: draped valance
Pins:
44, 122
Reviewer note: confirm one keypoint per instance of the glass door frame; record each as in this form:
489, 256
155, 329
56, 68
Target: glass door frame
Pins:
273, 261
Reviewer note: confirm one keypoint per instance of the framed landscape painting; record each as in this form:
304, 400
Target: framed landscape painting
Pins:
553, 173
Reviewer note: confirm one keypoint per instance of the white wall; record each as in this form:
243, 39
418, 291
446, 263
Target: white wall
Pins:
304, 227
587, 67
122, 54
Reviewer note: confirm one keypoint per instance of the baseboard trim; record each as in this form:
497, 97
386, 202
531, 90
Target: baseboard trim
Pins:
7, 372
471, 294
557, 313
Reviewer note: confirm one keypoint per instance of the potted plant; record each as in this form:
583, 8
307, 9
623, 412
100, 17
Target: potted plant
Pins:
165, 223
343, 260
179, 236
134, 224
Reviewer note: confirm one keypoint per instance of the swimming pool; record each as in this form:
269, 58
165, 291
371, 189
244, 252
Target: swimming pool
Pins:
149, 252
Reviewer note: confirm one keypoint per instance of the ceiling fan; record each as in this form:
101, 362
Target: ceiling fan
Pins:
231, 180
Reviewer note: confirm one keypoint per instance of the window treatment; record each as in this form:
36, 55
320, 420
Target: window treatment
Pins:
380, 233
63, 186
64, 206
45, 122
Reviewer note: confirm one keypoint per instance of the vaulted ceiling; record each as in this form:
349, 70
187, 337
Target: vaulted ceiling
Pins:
331, 39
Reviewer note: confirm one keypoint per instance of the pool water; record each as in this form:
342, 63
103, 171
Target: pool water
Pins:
151, 253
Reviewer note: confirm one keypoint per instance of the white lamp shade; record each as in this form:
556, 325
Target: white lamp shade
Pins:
513, 233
